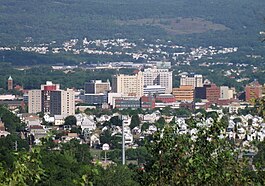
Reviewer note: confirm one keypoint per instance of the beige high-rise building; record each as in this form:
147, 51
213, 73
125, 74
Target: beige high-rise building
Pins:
34, 103
130, 85
62, 102
162, 77
194, 80
68, 102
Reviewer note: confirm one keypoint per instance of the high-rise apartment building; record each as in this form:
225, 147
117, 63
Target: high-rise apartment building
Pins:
193, 80
62, 102
45, 95
50, 99
129, 85
97, 87
34, 101
10, 83
162, 77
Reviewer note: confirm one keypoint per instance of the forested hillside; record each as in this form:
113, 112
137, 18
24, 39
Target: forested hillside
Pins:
192, 22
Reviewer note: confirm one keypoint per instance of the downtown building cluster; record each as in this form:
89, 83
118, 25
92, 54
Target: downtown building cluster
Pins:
50, 99
147, 88
153, 88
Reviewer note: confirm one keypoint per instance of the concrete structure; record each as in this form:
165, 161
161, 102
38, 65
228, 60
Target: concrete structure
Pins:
165, 98
13, 104
253, 91
62, 102
59, 119
226, 92
162, 77
97, 87
10, 83
127, 102
112, 96
147, 102
154, 89
129, 85
7, 97
34, 101
163, 65
45, 95
94, 99
50, 99
184, 93
200, 92
193, 80
212, 93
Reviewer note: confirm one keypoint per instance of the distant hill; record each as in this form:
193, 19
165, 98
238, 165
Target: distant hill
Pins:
191, 22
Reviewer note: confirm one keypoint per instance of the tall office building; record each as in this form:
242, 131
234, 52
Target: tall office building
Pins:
212, 93
10, 83
97, 87
50, 99
162, 77
184, 93
253, 91
193, 80
129, 85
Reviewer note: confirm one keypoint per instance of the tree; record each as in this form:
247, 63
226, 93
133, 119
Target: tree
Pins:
179, 160
160, 122
70, 120
183, 112
115, 120
27, 170
117, 175
135, 121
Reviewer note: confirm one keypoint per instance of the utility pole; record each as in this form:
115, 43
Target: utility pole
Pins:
123, 144
15, 145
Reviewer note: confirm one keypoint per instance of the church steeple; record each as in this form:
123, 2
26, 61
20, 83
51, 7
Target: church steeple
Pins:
10, 83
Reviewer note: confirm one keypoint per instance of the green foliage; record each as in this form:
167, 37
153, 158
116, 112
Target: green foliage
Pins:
117, 175
61, 20
116, 121
178, 160
140, 154
145, 126
11, 121
113, 140
160, 123
7, 147
259, 158
70, 120
183, 112
213, 115
27, 170
135, 121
